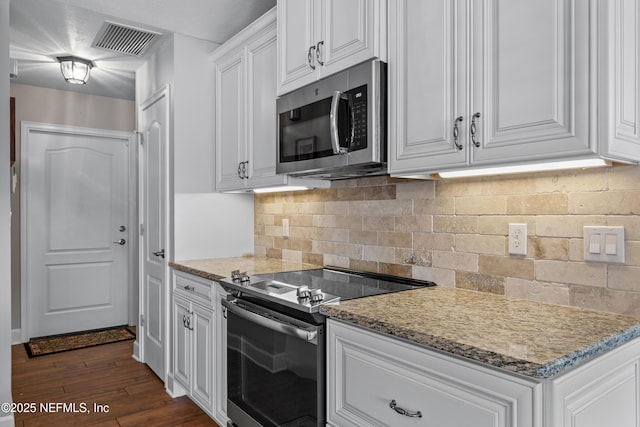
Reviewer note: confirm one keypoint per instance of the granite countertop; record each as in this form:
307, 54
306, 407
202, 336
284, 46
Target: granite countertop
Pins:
219, 268
530, 338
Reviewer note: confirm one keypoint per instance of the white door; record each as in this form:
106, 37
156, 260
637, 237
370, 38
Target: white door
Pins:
154, 116
75, 207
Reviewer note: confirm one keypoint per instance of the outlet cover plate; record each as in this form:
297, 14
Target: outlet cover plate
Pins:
517, 239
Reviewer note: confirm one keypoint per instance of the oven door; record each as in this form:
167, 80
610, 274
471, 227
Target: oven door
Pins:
275, 368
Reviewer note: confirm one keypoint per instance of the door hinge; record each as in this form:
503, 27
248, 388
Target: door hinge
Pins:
141, 320
142, 229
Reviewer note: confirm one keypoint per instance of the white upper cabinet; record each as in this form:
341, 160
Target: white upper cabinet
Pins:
246, 108
317, 38
495, 83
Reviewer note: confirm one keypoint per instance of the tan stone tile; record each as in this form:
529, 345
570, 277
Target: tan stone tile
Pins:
362, 265
631, 224
290, 255
316, 195
363, 237
578, 273
344, 183
438, 206
272, 230
335, 260
507, 184
303, 208
549, 248
459, 187
499, 224
440, 276
281, 243
379, 223
323, 221
506, 266
538, 204
417, 189
311, 258
299, 220
304, 233
455, 261
420, 257
576, 250
624, 177
270, 208
411, 223
260, 251
262, 240
602, 299
379, 254
623, 278
481, 205
352, 222
632, 253
455, 224
371, 181
274, 253
395, 239
566, 225
436, 241
480, 244
349, 194
607, 203
262, 219
550, 293
395, 269
572, 180
336, 207
480, 282
385, 192
381, 207
300, 245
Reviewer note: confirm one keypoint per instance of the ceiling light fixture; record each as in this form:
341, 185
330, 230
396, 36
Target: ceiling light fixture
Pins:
75, 70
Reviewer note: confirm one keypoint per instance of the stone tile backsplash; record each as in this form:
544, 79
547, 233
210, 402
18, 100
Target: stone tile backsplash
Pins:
454, 232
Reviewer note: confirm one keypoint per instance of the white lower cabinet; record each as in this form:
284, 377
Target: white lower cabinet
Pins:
194, 335
376, 380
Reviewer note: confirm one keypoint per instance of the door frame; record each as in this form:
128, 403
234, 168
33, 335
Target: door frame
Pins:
138, 346
26, 129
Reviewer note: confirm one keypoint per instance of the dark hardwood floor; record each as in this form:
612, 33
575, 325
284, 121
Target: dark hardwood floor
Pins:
127, 393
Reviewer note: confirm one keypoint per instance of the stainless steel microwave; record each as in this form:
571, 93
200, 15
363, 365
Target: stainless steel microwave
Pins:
336, 127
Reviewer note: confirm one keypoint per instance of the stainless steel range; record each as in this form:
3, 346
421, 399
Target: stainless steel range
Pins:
276, 341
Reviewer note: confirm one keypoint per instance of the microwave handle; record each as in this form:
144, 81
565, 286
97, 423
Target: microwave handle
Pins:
333, 122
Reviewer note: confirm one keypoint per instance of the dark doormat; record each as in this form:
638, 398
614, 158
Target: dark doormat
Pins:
59, 343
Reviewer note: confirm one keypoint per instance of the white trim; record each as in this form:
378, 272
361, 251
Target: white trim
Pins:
7, 421
25, 129
16, 336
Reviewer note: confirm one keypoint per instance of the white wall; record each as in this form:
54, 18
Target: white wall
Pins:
6, 419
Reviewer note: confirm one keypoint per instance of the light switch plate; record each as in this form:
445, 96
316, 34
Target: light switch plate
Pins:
604, 244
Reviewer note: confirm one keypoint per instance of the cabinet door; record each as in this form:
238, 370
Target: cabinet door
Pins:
427, 75
230, 121
296, 34
181, 343
203, 336
530, 80
351, 32
261, 110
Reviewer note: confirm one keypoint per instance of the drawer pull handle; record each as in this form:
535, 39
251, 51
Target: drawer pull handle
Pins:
404, 412
189, 288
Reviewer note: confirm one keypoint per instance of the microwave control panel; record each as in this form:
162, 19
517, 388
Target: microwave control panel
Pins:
359, 104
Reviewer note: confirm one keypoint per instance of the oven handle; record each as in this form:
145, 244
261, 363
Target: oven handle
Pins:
310, 335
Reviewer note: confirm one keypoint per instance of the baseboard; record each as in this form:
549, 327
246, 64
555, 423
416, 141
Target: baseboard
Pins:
136, 351
174, 389
7, 420
16, 336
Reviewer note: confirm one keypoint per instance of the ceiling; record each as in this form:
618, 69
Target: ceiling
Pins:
41, 30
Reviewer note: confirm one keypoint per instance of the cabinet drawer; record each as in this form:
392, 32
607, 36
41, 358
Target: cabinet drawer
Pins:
369, 373
194, 288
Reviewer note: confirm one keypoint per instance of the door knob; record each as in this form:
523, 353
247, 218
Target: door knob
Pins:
122, 228
160, 253
121, 242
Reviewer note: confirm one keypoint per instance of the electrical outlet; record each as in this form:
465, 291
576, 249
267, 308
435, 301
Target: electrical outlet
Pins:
285, 227
518, 239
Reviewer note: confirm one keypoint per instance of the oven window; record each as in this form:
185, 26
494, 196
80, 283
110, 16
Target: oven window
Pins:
271, 376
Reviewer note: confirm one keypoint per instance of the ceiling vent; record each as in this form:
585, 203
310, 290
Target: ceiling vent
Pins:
124, 39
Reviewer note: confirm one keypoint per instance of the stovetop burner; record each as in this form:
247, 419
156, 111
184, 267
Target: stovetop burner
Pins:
307, 290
